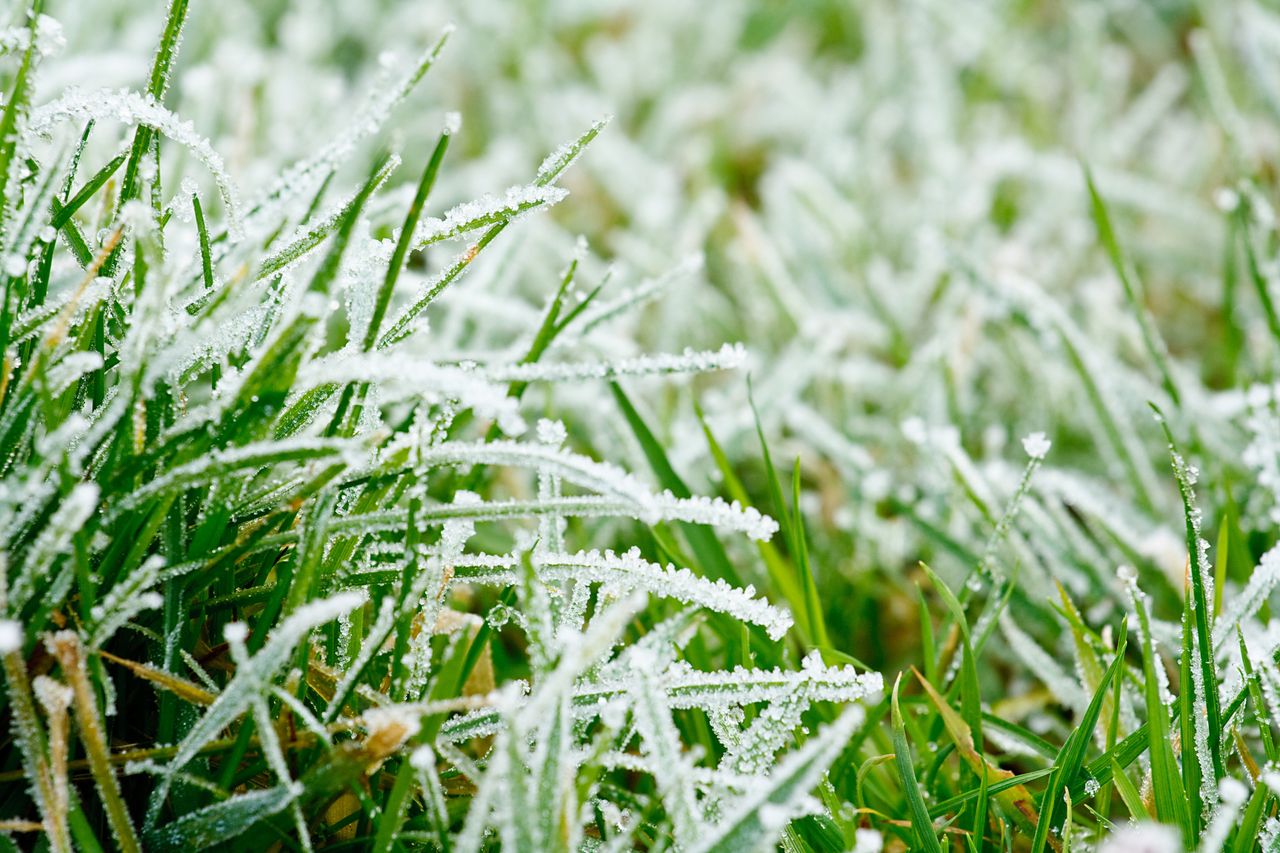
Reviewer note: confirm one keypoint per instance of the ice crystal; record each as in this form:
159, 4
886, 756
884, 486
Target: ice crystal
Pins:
141, 109
1036, 445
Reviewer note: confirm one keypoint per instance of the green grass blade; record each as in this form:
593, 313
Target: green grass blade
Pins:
1201, 596
926, 837
401, 253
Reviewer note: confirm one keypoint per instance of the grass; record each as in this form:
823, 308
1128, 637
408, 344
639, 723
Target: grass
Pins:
348, 500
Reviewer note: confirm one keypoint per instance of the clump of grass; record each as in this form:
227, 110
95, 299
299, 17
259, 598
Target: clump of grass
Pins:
250, 511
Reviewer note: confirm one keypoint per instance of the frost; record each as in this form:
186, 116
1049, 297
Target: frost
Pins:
728, 357
11, 639
126, 599
135, 108
422, 758
1143, 838
1064, 688
1262, 422
485, 211
366, 120
648, 507
630, 571
250, 456
774, 818
784, 792
560, 159
50, 39
1245, 604
53, 543
434, 381
242, 693
1226, 199
868, 841
551, 432
1036, 445
51, 694
662, 744
313, 232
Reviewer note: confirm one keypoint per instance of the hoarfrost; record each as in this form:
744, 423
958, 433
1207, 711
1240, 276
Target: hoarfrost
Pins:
10, 636
1036, 445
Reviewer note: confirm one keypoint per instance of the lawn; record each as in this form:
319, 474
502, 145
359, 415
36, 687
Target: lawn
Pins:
815, 426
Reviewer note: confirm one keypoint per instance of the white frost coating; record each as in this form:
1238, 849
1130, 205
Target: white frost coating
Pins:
557, 161
49, 36
728, 357
126, 599
48, 32
1186, 476
1036, 445
551, 432
452, 123
391, 370
404, 720
1232, 794
53, 695
867, 841
1242, 606
11, 638
371, 645
14, 39
55, 540
1262, 454
753, 752
252, 455
688, 688
74, 303
661, 743
628, 572
371, 115
422, 758
703, 777
785, 792
1143, 837
630, 298
573, 467
484, 211
714, 512
70, 368
312, 233
184, 199
251, 675
137, 108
